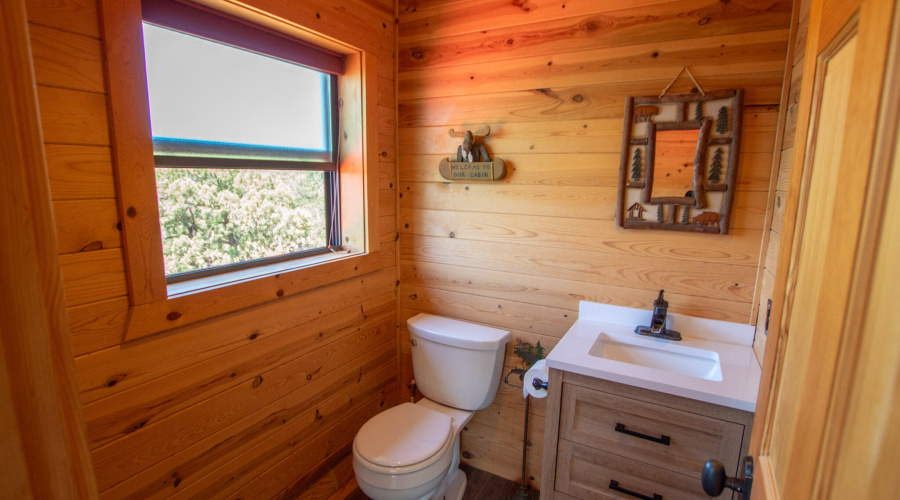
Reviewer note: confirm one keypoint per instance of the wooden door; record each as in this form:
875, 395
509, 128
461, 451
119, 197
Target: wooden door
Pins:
831, 268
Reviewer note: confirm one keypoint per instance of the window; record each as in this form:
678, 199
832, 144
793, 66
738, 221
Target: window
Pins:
244, 124
157, 304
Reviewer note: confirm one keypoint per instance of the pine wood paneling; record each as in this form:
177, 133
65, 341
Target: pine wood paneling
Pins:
80, 172
564, 201
628, 26
582, 102
113, 370
269, 397
93, 276
721, 55
77, 233
555, 291
125, 411
76, 16
739, 247
205, 409
782, 172
551, 78
67, 60
73, 117
565, 136
432, 19
334, 441
579, 169
97, 325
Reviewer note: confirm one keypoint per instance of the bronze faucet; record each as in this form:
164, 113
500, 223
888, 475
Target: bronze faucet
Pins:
657, 326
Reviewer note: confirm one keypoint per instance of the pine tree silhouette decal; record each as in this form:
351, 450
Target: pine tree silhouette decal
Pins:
636, 165
722, 120
698, 112
686, 215
659, 214
715, 170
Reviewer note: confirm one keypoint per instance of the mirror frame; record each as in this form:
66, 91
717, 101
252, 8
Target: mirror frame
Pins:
717, 222
699, 162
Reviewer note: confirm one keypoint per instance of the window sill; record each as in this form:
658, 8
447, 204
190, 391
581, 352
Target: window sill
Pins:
197, 300
188, 287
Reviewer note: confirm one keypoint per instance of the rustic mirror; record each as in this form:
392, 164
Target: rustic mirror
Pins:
679, 160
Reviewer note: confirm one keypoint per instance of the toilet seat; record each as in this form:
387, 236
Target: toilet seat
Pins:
404, 439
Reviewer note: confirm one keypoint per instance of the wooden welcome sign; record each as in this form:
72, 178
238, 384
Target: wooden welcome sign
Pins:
473, 162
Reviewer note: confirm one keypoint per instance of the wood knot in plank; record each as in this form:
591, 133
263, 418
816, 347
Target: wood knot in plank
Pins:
115, 379
525, 5
131, 212
257, 381
174, 315
92, 246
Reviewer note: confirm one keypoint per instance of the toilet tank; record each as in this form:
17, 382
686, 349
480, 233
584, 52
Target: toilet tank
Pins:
456, 363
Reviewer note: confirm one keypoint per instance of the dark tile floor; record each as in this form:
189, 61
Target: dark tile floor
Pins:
480, 485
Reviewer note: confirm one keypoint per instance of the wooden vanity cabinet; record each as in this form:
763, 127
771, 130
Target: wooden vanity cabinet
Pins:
605, 440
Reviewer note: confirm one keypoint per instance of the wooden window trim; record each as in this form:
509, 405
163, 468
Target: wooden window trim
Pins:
155, 306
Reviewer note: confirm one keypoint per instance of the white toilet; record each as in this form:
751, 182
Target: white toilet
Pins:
411, 451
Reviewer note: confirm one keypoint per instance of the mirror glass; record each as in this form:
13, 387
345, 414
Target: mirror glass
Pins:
673, 165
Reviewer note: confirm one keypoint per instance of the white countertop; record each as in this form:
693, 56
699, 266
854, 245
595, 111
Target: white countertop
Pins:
740, 371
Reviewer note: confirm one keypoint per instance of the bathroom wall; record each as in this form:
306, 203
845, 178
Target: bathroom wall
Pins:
550, 77
779, 190
246, 404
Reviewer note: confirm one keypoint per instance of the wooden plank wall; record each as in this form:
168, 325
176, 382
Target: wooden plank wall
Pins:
253, 404
551, 77
777, 204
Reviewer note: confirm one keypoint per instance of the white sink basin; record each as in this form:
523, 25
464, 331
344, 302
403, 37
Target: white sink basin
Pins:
666, 356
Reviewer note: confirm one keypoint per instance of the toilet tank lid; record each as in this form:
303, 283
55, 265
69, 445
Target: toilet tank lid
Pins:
457, 333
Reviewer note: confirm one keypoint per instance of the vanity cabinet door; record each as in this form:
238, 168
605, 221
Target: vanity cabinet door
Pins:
587, 473
654, 434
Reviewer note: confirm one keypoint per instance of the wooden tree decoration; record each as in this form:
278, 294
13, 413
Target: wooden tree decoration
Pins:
722, 120
686, 215
660, 216
715, 170
698, 111
637, 165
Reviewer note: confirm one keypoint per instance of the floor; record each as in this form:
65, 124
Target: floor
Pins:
480, 485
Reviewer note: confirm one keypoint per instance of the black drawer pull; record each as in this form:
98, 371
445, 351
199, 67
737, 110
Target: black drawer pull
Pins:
614, 485
663, 439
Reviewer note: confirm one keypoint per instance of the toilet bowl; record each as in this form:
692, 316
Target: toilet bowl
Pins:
411, 451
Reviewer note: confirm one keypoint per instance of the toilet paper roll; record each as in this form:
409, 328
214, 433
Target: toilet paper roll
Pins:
538, 371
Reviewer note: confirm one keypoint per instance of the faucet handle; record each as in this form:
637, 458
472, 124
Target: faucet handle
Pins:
660, 301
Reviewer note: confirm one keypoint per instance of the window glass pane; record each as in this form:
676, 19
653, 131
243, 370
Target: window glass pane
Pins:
215, 217
208, 92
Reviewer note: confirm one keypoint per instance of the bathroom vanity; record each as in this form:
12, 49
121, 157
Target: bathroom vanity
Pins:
635, 417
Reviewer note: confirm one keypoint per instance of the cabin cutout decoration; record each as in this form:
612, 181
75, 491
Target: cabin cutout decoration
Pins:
679, 161
473, 161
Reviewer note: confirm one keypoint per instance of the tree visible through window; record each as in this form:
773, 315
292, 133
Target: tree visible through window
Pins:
216, 217
245, 151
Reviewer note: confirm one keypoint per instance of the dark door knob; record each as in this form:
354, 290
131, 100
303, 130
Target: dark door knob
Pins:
715, 480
